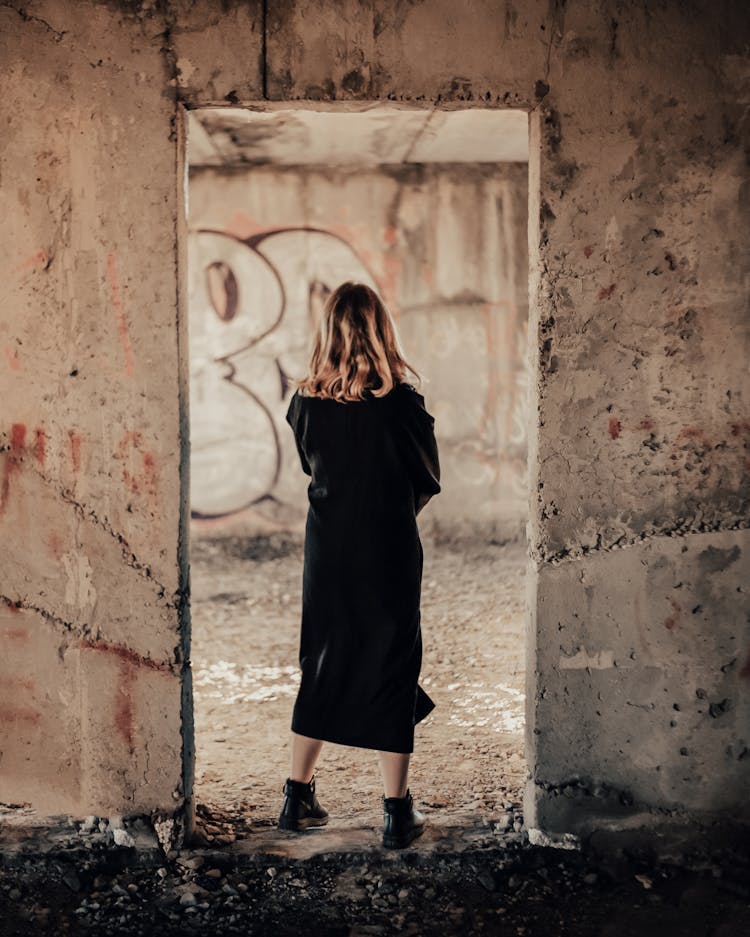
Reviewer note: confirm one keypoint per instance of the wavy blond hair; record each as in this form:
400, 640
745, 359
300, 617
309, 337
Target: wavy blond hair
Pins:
356, 347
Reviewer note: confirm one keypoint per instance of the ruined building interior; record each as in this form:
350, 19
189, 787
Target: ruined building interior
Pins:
431, 208
553, 199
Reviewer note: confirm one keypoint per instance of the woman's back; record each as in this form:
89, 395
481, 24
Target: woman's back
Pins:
368, 458
372, 463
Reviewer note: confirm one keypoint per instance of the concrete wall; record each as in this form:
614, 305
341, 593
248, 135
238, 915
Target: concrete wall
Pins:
91, 673
640, 479
445, 245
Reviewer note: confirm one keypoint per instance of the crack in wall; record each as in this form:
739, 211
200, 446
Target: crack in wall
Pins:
28, 18
91, 640
131, 560
90, 515
76, 630
612, 798
623, 541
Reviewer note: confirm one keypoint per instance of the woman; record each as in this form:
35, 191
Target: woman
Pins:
365, 438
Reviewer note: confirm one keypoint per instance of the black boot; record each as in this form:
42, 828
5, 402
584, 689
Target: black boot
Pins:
401, 822
301, 808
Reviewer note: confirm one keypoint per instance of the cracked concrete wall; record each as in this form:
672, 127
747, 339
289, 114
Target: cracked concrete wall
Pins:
446, 247
638, 563
91, 675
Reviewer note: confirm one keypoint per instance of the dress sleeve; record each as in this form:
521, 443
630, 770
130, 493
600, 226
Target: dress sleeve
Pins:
293, 419
417, 436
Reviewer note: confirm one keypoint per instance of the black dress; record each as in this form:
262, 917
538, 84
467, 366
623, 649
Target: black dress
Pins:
373, 463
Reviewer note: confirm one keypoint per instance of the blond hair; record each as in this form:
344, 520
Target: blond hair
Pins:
356, 347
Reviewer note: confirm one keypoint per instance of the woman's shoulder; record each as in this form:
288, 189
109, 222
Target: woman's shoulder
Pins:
301, 395
295, 405
411, 403
409, 394
407, 390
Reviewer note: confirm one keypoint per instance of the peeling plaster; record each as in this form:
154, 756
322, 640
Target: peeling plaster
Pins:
601, 660
79, 588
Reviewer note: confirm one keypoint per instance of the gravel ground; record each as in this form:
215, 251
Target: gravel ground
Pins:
93, 887
468, 759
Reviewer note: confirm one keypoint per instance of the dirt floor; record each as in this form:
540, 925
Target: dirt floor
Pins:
468, 763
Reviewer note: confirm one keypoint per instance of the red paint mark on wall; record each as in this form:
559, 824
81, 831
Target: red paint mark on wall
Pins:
391, 275
15, 715
12, 461
55, 544
498, 317
16, 634
125, 653
690, 432
40, 445
144, 479
646, 423
75, 449
122, 323
129, 661
615, 427
40, 259
737, 429
674, 619
14, 362
606, 291
17, 437
23, 683
588, 250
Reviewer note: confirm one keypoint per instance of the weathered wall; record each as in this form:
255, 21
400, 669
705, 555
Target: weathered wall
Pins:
638, 456
445, 245
90, 509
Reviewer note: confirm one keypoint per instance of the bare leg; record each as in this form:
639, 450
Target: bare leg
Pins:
305, 753
394, 766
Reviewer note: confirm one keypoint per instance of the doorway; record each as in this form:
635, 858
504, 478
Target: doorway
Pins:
430, 207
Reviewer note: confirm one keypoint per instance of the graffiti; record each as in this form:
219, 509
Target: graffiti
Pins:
255, 296
254, 303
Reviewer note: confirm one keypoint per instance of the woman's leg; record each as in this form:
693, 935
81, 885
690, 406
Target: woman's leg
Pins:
305, 753
394, 766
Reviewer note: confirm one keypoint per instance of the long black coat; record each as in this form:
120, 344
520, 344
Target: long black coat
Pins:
373, 464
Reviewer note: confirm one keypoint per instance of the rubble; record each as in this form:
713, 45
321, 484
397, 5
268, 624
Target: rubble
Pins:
511, 887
